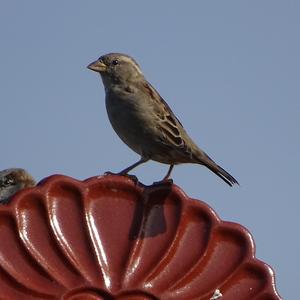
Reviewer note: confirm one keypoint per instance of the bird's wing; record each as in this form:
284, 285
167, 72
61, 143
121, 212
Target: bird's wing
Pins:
169, 125
174, 136
165, 109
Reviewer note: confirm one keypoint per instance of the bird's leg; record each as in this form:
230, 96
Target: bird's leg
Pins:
141, 161
168, 173
166, 179
125, 171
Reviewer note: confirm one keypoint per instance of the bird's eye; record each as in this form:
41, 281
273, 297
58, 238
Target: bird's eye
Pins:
7, 181
115, 62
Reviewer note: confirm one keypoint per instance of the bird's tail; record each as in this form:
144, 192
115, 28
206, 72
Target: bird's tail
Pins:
219, 171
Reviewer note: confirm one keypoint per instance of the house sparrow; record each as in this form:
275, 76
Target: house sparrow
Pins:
144, 121
12, 181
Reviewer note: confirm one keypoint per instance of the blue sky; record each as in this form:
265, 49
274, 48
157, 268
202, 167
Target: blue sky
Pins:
229, 70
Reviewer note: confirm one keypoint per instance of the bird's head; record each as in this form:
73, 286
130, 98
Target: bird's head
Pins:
116, 68
13, 180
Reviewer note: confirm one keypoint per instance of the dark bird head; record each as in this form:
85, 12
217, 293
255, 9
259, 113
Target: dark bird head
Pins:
12, 181
117, 68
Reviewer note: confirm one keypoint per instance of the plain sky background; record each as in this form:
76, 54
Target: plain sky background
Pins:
229, 70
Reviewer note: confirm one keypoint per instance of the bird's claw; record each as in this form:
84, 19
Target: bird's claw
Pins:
168, 181
110, 173
132, 177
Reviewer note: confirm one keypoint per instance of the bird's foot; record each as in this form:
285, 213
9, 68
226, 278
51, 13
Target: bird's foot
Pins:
164, 181
110, 173
132, 177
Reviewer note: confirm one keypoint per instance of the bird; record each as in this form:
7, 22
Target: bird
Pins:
143, 119
13, 180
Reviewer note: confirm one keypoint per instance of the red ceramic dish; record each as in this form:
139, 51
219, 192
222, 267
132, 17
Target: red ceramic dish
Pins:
109, 238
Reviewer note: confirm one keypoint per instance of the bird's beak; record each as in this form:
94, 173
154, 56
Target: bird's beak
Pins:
97, 66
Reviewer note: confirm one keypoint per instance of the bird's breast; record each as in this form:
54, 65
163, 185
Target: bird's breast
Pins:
129, 120
137, 124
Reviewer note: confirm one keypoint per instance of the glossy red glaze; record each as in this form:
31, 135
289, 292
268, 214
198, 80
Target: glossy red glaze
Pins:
110, 238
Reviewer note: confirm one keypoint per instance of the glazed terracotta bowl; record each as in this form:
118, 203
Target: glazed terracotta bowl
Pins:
112, 238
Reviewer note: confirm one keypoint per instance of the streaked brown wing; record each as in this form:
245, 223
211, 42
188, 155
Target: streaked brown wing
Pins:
169, 123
